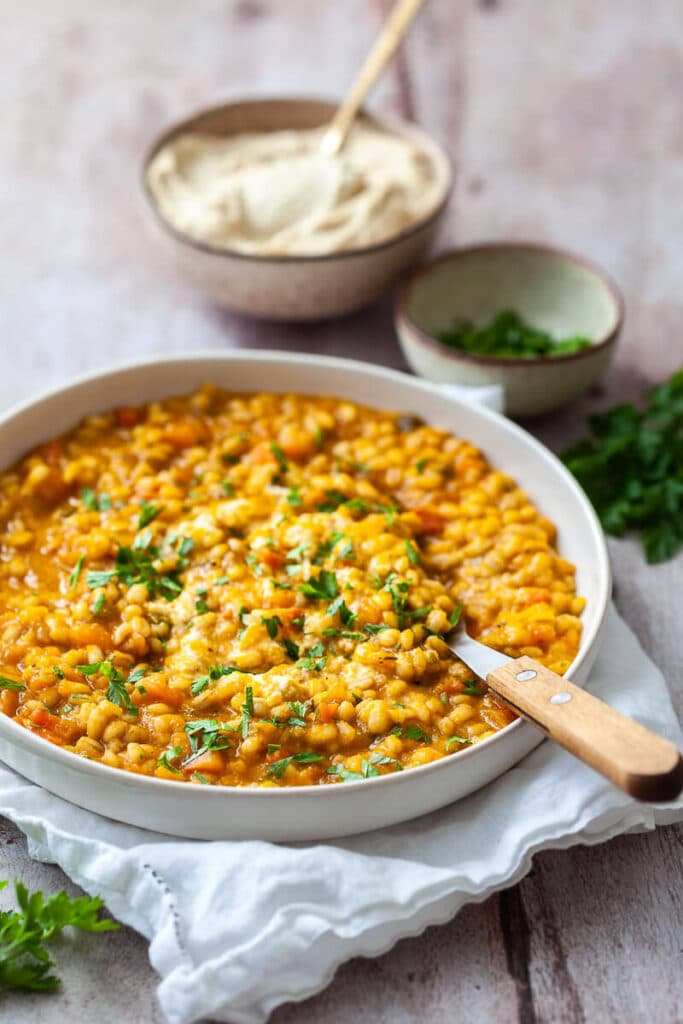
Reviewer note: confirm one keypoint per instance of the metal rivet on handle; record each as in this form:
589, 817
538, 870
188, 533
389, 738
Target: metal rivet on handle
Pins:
560, 698
526, 675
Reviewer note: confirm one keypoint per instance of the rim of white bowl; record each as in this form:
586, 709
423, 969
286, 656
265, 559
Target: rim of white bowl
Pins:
437, 155
50, 751
403, 294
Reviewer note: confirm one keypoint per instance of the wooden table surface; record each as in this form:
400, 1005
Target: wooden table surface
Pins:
564, 122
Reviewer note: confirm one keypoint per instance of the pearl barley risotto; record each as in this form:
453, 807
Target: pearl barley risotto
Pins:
254, 590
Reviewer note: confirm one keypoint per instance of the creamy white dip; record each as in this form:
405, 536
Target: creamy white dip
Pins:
275, 193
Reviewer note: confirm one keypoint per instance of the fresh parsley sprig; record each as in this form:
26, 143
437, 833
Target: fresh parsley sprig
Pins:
631, 468
24, 961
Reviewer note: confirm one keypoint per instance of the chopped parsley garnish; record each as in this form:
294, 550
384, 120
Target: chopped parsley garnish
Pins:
170, 755
116, 691
204, 735
280, 456
57, 671
412, 552
291, 648
368, 768
148, 512
201, 778
297, 553
456, 739
93, 502
371, 628
99, 603
343, 634
242, 612
73, 578
318, 435
472, 690
299, 711
247, 711
227, 488
327, 547
24, 961
12, 684
215, 672
294, 497
508, 336
272, 624
315, 659
201, 607
414, 732
345, 614
272, 747
323, 587
345, 551
455, 616
334, 500
421, 464
278, 768
135, 564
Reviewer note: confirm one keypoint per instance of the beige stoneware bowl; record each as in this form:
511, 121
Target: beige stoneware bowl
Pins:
550, 289
306, 812
294, 287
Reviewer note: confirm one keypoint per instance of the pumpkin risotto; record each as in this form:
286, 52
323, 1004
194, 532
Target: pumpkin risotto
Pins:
254, 590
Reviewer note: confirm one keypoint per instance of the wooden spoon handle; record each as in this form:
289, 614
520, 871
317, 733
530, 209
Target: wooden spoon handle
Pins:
633, 758
381, 53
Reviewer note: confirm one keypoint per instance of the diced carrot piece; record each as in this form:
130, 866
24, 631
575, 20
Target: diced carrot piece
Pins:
273, 558
156, 691
87, 633
431, 521
61, 730
537, 595
327, 711
187, 433
127, 416
210, 761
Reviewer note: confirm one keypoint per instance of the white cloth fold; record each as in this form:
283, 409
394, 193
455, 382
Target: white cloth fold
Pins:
238, 928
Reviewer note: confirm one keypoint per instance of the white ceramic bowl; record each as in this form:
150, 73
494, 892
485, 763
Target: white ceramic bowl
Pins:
554, 290
309, 812
294, 287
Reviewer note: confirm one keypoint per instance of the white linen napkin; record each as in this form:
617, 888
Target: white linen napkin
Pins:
236, 928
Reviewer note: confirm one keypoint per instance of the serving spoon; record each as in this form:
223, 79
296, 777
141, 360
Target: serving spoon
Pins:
384, 48
635, 759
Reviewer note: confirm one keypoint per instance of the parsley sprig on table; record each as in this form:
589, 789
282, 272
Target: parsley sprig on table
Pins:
24, 960
632, 469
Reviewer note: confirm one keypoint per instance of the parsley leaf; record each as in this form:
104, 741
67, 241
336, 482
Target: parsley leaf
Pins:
272, 624
24, 960
247, 711
280, 456
412, 552
116, 691
631, 468
73, 578
323, 587
14, 684
148, 512
278, 768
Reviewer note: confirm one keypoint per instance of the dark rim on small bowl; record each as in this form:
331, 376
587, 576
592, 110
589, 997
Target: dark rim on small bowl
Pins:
215, 250
452, 255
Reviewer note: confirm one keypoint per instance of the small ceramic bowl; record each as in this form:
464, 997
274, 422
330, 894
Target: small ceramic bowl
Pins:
295, 287
550, 289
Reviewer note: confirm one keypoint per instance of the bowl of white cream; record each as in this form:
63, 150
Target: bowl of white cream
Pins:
251, 211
